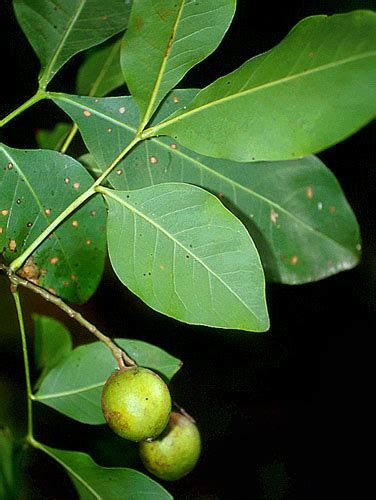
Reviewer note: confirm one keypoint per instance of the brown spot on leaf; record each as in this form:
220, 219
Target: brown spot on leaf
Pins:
175, 99
47, 211
30, 271
109, 130
1, 230
173, 146
67, 180
12, 245
54, 260
309, 191
10, 166
93, 213
153, 160
274, 216
52, 290
88, 242
73, 277
294, 260
122, 109
4, 212
76, 185
332, 210
74, 223
86, 113
119, 171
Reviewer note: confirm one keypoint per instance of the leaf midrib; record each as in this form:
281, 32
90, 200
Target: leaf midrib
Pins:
165, 58
71, 392
211, 171
36, 197
132, 209
45, 78
157, 128
71, 471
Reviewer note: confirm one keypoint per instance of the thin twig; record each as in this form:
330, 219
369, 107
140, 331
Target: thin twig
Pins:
121, 357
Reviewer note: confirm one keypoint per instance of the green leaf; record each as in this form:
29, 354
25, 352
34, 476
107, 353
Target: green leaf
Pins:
35, 187
74, 386
95, 482
311, 91
52, 344
178, 249
100, 73
312, 220
165, 39
59, 30
53, 139
9, 466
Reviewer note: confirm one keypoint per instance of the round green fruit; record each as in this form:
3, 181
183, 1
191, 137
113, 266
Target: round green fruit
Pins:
136, 403
175, 452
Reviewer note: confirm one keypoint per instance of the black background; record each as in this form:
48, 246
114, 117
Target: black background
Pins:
283, 415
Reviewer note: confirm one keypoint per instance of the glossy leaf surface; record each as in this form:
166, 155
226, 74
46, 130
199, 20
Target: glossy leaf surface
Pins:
311, 91
185, 255
95, 482
35, 187
74, 386
164, 40
59, 30
52, 343
100, 73
294, 210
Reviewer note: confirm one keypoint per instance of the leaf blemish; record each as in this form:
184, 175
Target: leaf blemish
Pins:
294, 260
173, 146
10, 166
122, 109
12, 245
274, 216
86, 113
93, 213
47, 211
309, 192
153, 160
54, 260
332, 210
175, 99
119, 171
67, 180
4, 212
74, 223
76, 185
109, 130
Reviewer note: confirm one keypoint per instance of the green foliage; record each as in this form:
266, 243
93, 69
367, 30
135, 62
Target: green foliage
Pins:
286, 103
36, 186
185, 255
74, 386
93, 481
101, 73
59, 31
52, 344
191, 235
165, 40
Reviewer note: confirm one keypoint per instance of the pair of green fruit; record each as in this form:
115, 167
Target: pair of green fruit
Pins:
136, 404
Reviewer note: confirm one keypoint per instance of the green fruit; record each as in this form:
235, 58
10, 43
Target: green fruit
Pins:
175, 452
136, 403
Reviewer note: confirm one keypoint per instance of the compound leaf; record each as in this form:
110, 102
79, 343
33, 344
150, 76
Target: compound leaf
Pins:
295, 210
74, 386
36, 186
165, 39
311, 91
185, 255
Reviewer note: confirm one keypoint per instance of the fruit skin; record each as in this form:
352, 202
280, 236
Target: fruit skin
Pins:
136, 403
175, 452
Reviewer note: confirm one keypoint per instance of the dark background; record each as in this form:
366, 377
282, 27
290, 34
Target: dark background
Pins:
283, 415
